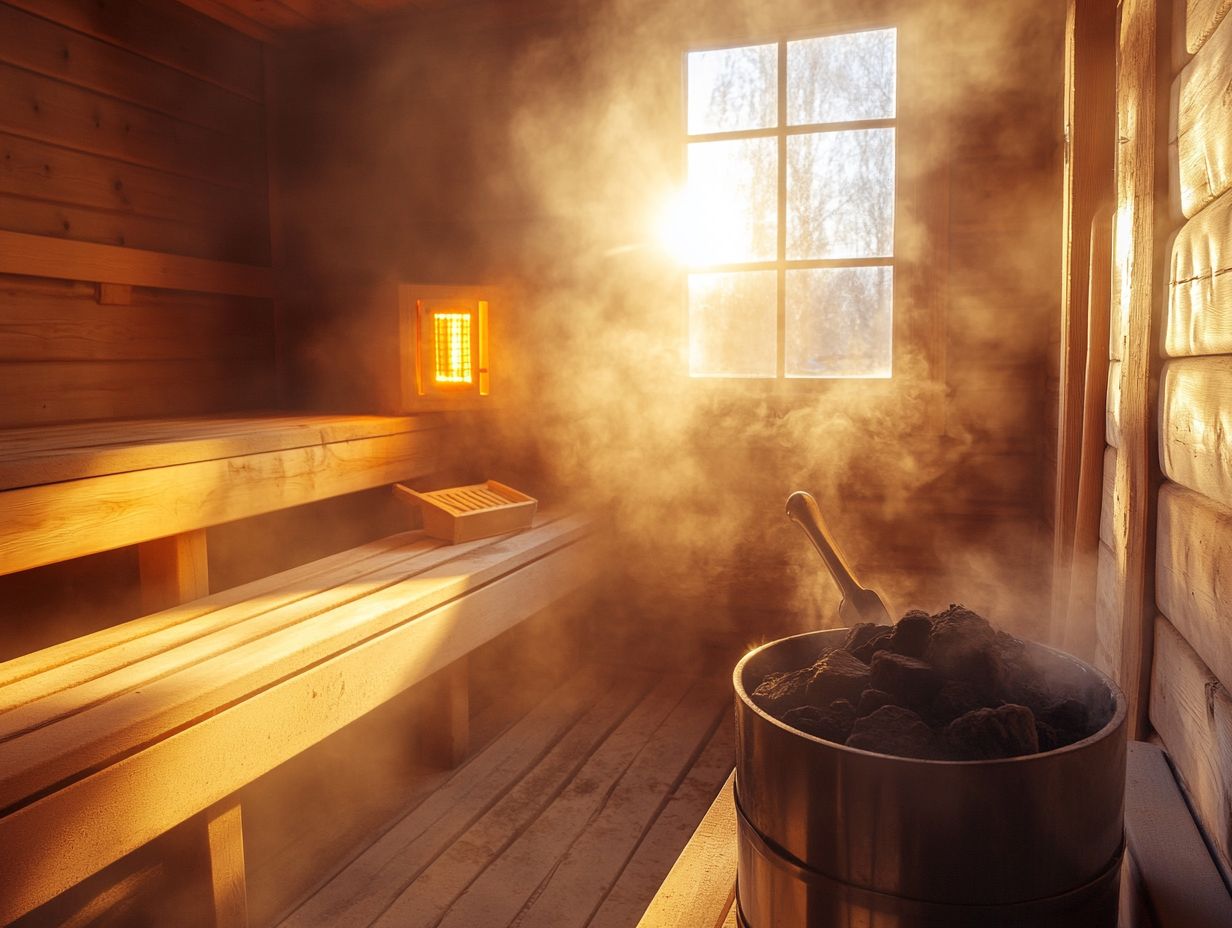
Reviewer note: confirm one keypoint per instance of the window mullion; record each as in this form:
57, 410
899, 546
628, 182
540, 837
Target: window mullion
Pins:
781, 255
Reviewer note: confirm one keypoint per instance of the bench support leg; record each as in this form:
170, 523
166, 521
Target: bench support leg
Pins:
448, 730
173, 570
224, 834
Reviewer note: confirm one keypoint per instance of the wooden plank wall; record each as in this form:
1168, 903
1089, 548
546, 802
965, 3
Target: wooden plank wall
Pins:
1190, 707
142, 125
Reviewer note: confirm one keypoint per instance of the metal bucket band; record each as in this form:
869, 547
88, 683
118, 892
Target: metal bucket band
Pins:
928, 912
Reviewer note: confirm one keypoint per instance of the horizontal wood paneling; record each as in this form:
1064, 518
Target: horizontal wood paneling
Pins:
50, 49
52, 111
1199, 319
52, 391
166, 32
34, 255
1195, 424
1201, 18
118, 126
1193, 574
1192, 712
1203, 123
54, 320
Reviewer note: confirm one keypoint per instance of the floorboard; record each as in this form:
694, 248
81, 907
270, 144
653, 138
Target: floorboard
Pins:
570, 817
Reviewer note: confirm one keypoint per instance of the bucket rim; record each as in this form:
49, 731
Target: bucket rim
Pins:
1116, 722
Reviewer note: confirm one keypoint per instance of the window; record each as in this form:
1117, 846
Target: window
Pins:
787, 224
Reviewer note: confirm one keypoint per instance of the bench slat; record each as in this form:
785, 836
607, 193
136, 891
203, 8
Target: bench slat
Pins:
52, 754
61, 691
96, 820
65, 654
57, 522
97, 450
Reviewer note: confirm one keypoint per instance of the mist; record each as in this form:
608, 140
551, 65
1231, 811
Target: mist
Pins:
539, 150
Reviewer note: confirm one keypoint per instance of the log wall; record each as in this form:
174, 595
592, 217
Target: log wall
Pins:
1176, 620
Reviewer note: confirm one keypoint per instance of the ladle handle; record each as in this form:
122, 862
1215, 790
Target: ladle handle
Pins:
802, 509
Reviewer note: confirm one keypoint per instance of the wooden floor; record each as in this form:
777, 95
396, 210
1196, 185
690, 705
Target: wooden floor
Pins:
568, 815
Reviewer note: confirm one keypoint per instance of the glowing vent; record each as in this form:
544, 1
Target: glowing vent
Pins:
452, 337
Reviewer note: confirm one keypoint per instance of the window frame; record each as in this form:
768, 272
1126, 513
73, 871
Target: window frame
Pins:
781, 264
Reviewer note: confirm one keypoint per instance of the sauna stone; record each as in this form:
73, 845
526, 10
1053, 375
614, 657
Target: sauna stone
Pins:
989, 734
970, 686
894, 730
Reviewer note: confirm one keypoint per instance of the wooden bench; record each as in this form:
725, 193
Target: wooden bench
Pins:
1170, 880
112, 739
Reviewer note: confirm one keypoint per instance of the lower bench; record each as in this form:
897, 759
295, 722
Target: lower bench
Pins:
110, 740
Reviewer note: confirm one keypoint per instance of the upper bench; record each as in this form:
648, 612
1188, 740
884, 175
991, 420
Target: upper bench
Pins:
72, 490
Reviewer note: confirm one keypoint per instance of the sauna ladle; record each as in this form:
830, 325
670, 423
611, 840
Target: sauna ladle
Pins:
859, 604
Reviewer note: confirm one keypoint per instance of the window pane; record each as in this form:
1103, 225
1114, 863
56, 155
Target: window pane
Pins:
839, 322
732, 324
841, 77
840, 194
733, 88
731, 201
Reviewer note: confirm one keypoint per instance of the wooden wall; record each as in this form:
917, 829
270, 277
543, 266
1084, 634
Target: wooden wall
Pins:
135, 124
130, 131
542, 157
1164, 624
1190, 706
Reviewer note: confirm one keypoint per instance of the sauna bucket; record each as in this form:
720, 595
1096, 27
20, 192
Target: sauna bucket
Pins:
836, 836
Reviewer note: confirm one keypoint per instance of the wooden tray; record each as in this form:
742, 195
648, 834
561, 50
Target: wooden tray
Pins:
466, 513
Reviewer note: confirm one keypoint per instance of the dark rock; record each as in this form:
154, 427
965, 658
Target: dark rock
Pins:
871, 700
955, 698
894, 730
861, 633
781, 692
838, 675
1047, 736
911, 634
988, 734
878, 639
963, 646
915, 682
1069, 719
833, 723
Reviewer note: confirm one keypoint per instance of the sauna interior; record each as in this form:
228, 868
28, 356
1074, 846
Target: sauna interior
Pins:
274, 272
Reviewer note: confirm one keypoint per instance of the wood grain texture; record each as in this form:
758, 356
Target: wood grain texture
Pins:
50, 49
1193, 574
1199, 320
1108, 529
1192, 712
42, 525
174, 570
1109, 617
165, 32
1134, 279
699, 891
504, 784
1177, 878
224, 835
43, 256
47, 110
46, 740
98, 819
1195, 422
1203, 123
1112, 421
1201, 19
666, 840
35, 456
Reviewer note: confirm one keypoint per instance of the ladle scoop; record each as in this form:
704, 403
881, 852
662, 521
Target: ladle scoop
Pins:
859, 604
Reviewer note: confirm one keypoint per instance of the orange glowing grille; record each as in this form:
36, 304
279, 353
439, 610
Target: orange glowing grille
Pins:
452, 336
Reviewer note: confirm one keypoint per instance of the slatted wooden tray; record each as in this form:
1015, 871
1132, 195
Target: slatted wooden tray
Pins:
458, 514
